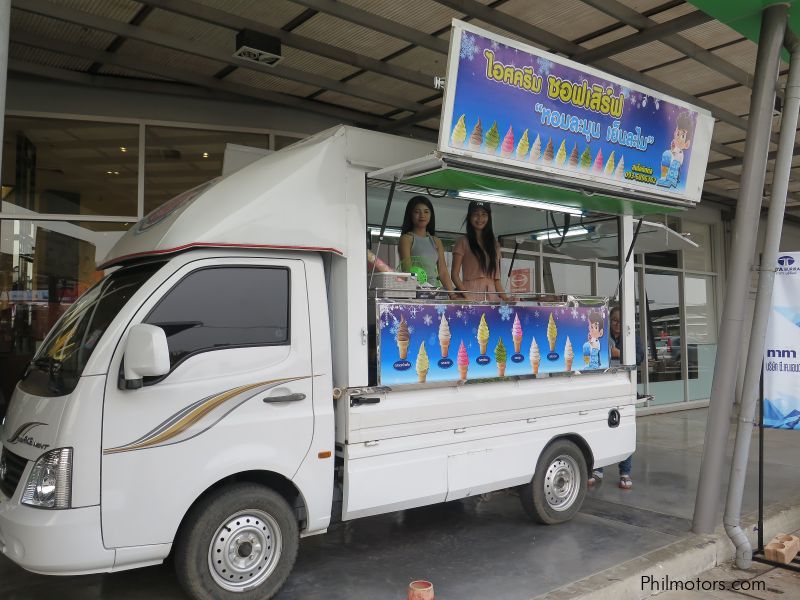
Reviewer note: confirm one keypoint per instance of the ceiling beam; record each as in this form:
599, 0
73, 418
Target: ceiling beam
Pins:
143, 66
378, 23
559, 44
152, 36
631, 17
645, 36
220, 18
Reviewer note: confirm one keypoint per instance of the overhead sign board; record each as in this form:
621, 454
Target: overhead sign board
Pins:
514, 104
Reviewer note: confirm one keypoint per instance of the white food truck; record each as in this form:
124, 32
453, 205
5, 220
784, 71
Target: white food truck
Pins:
233, 383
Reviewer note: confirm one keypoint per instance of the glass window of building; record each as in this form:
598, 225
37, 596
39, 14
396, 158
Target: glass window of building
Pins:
177, 159
701, 334
698, 259
55, 166
44, 267
567, 277
664, 352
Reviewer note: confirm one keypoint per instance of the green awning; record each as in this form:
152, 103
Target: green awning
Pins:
744, 16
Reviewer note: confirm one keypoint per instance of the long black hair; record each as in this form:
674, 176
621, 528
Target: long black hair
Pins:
408, 223
487, 256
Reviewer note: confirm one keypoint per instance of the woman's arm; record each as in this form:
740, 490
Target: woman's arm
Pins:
498, 286
441, 265
404, 248
455, 272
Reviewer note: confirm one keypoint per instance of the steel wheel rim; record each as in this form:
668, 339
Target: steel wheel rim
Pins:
562, 483
245, 550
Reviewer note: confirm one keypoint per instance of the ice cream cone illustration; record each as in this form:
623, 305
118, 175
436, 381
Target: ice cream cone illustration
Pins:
536, 149
608, 171
548, 152
619, 172
535, 356
598, 162
459, 131
444, 335
402, 338
463, 361
573, 157
586, 159
552, 333
568, 355
523, 146
492, 140
476, 137
500, 357
483, 334
516, 334
422, 363
561, 155
508, 143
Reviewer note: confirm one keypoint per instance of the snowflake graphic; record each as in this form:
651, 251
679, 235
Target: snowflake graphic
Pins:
427, 319
393, 328
658, 106
536, 313
644, 100
625, 91
459, 314
413, 310
432, 341
544, 65
469, 48
411, 330
583, 316
441, 309
574, 313
495, 45
505, 312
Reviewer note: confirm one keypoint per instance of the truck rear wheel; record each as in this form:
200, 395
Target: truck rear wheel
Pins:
239, 542
556, 492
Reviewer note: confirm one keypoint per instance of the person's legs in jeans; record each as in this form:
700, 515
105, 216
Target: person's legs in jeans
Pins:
625, 481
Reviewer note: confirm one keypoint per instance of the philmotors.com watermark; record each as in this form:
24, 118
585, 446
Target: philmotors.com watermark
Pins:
668, 584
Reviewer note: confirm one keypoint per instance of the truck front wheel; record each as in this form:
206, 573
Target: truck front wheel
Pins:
239, 542
556, 492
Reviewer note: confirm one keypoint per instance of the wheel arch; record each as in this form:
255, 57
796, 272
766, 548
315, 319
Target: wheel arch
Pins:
270, 479
580, 442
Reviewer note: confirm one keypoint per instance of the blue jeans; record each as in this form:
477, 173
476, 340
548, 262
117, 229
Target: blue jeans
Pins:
624, 466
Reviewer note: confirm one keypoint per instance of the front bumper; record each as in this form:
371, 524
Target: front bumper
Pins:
53, 542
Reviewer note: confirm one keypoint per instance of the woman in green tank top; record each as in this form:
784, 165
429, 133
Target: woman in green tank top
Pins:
421, 252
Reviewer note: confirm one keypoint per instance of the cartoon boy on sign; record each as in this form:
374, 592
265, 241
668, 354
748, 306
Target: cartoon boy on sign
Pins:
672, 159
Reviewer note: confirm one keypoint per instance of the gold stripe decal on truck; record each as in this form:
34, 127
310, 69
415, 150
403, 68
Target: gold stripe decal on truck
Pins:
198, 417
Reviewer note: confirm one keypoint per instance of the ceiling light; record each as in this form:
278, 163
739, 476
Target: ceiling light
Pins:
520, 202
123, 149
388, 232
205, 154
257, 47
552, 234
108, 172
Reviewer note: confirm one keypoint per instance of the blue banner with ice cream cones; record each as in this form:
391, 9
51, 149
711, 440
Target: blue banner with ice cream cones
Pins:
512, 103
421, 343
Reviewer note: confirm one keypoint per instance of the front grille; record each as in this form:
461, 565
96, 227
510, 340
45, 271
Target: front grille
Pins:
15, 465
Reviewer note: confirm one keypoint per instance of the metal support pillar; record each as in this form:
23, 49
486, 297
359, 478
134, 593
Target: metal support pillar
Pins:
748, 207
5, 22
766, 278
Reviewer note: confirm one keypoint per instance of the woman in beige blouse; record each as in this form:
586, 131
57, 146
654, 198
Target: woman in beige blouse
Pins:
476, 258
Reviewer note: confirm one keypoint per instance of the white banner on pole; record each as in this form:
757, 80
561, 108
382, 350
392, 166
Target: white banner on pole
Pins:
782, 351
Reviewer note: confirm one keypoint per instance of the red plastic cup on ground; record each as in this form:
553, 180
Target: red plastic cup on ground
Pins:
420, 590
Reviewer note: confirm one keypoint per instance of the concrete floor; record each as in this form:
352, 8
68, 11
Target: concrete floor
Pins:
482, 548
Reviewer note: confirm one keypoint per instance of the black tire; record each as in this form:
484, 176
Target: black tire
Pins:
556, 491
259, 521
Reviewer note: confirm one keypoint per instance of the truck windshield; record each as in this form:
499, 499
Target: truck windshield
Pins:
58, 364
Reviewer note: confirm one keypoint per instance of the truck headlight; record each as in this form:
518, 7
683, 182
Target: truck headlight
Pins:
50, 482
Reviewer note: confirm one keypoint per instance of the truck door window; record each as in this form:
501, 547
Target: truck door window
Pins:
224, 307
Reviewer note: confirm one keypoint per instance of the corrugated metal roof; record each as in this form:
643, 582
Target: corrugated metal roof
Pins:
47, 58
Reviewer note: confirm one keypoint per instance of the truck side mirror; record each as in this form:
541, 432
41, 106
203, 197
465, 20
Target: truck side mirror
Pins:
146, 354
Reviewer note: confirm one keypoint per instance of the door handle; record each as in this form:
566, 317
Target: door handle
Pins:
287, 398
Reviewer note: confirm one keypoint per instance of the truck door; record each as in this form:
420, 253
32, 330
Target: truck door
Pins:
237, 398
